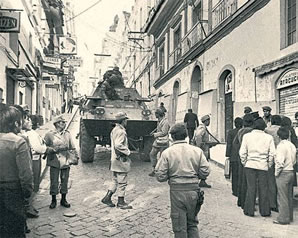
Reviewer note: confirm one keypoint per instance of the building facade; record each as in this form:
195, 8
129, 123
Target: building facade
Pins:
31, 69
218, 56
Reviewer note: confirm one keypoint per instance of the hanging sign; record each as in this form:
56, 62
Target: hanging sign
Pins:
68, 45
10, 21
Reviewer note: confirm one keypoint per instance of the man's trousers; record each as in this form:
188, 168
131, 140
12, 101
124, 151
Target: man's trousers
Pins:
54, 177
183, 211
119, 183
285, 196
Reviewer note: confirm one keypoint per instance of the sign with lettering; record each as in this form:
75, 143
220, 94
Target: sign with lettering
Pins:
10, 21
52, 62
289, 78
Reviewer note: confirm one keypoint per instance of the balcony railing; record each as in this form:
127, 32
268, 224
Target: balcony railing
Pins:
223, 10
175, 56
195, 35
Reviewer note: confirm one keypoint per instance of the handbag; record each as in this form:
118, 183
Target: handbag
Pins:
73, 158
227, 172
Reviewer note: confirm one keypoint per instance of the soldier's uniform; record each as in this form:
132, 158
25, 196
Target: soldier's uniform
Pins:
182, 165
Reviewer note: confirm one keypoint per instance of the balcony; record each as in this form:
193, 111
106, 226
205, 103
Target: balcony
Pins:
159, 71
195, 35
222, 10
175, 56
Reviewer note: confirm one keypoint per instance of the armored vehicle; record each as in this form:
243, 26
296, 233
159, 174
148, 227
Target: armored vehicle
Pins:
109, 98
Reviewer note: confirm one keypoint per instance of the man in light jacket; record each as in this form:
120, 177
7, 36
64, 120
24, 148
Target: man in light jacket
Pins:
161, 136
182, 165
120, 163
256, 153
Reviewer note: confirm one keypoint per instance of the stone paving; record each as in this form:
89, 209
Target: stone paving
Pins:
219, 217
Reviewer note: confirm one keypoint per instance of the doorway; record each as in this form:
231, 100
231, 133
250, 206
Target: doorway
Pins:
176, 90
195, 89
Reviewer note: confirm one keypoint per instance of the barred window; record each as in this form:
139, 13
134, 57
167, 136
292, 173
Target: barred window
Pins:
291, 22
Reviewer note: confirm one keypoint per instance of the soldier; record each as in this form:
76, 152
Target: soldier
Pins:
161, 136
201, 139
182, 165
120, 163
60, 140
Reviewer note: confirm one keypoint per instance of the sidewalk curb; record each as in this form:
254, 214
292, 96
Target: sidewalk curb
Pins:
220, 165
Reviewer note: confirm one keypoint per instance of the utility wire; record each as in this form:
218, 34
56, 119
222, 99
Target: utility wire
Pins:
88, 8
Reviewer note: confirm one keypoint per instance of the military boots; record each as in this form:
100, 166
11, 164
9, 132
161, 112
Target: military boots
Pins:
108, 199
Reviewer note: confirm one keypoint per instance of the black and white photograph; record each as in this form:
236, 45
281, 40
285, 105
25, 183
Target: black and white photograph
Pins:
148, 118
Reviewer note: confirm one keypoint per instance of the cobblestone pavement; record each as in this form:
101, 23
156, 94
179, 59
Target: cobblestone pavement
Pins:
219, 217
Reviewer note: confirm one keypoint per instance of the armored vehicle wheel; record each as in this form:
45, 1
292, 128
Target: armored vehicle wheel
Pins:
87, 145
147, 146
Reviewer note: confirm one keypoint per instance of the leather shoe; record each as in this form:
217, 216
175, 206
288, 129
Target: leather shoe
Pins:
152, 174
64, 203
280, 223
124, 206
53, 204
275, 209
204, 185
31, 213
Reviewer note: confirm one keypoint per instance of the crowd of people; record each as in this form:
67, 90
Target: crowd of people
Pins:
262, 154
21, 149
261, 150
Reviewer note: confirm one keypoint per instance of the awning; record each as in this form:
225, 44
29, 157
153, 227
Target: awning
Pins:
22, 75
277, 64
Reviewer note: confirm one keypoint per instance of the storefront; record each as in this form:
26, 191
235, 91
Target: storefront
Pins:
287, 87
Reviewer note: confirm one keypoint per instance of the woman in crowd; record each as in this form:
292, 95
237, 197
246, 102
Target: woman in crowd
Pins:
256, 153
272, 130
242, 186
284, 163
233, 154
16, 174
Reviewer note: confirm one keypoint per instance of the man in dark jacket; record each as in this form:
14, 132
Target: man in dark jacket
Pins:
233, 154
191, 122
182, 165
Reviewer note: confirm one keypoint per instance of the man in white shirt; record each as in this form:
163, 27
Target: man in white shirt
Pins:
284, 162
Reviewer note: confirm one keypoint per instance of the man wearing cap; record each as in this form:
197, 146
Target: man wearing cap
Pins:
161, 137
247, 110
60, 140
267, 115
120, 162
182, 165
201, 140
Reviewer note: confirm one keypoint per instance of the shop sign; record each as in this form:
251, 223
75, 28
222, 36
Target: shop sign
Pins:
74, 61
10, 21
68, 45
56, 86
52, 62
289, 78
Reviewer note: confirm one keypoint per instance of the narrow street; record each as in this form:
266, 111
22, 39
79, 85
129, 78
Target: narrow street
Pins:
150, 216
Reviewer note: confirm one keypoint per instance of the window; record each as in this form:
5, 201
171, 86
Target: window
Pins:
197, 13
13, 43
1, 95
177, 37
30, 43
20, 98
291, 22
161, 59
